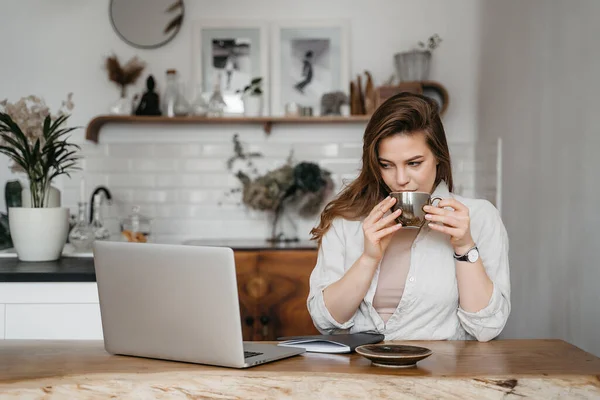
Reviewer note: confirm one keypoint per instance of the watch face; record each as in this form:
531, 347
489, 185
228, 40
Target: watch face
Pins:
473, 255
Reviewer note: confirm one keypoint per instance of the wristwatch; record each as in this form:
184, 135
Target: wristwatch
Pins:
470, 256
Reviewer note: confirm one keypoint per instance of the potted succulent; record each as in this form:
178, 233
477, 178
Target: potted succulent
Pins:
252, 96
37, 143
413, 65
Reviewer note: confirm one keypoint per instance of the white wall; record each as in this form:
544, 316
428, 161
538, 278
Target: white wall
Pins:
61, 46
538, 91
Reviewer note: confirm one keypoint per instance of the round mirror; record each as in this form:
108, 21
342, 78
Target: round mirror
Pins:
146, 24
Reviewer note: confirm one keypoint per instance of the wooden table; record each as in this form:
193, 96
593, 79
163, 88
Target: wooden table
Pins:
542, 369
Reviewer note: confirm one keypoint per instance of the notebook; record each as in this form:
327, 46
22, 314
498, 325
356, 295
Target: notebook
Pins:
342, 343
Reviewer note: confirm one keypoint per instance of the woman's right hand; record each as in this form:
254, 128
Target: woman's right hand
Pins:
378, 230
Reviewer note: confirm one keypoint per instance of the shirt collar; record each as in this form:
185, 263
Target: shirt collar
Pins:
441, 190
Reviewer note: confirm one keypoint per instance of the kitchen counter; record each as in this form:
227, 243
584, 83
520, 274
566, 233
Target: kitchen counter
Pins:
65, 269
71, 268
541, 369
253, 244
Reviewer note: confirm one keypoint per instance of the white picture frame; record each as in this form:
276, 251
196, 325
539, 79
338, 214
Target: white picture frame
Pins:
317, 51
248, 40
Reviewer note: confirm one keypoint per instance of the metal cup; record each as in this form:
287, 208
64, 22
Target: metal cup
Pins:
411, 204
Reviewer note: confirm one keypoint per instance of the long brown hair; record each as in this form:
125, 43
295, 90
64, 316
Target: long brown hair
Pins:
402, 114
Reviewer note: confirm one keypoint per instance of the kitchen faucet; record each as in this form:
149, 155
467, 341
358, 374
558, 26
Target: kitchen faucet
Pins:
94, 193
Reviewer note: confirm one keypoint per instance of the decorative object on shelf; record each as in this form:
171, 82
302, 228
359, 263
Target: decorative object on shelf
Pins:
150, 102
198, 105
123, 76
232, 52
431, 89
252, 96
331, 103
136, 227
382, 93
174, 102
216, 103
147, 24
414, 65
292, 109
369, 96
299, 188
37, 143
310, 58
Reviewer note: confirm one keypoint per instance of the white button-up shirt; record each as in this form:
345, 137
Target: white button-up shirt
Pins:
429, 308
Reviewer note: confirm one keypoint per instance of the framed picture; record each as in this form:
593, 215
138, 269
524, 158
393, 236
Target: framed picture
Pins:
308, 59
232, 53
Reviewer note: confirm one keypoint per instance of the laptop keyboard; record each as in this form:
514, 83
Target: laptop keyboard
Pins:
248, 354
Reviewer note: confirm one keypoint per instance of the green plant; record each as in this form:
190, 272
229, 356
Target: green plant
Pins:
432, 43
37, 143
253, 89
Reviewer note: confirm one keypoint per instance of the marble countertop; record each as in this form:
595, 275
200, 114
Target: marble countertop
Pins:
503, 369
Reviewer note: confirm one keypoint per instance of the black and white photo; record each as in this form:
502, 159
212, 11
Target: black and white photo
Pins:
309, 60
230, 54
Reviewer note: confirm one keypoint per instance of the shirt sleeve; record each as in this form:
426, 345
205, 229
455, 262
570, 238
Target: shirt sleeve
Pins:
329, 269
492, 242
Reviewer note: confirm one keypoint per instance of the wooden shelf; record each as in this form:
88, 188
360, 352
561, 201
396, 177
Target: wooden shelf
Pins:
93, 128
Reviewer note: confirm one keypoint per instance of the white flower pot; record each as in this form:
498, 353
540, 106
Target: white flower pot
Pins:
253, 106
52, 197
38, 234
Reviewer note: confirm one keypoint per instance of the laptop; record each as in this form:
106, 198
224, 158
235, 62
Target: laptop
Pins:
175, 302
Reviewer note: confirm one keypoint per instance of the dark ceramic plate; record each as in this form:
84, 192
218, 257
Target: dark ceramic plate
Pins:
393, 355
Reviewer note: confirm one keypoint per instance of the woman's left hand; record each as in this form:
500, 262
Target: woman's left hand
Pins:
455, 222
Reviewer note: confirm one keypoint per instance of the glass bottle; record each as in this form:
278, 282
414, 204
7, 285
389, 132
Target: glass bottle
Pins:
82, 235
174, 102
216, 103
136, 227
100, 231
198, 106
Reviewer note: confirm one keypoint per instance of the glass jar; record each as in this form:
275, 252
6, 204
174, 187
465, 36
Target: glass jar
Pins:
198, 106
82, 234
136, 227
174, 102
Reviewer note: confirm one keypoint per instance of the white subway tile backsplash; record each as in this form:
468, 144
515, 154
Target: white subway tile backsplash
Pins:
124, 150
350, 150
201, 196
179, 176
203, 164
198, 180
341, 165
131, 181
108, 164
153, 165
177, 150
155, 196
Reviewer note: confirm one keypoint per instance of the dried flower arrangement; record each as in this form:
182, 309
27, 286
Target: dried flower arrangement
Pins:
35, 142
124, 75
432, 43
302, 186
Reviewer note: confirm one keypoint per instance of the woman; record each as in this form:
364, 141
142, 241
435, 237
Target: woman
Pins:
447, 280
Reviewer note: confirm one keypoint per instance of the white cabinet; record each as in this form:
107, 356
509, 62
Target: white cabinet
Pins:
50, 311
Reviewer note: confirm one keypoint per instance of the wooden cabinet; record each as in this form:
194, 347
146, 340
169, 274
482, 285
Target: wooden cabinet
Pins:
273, 288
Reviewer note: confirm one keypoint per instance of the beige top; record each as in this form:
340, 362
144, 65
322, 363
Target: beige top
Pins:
393, 272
